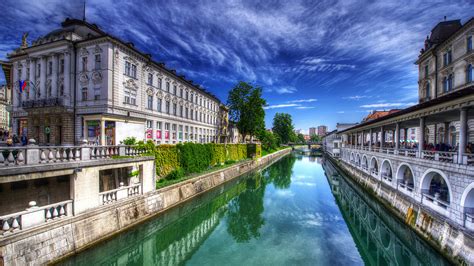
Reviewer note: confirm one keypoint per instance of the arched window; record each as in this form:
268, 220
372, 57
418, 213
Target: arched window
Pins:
469, 73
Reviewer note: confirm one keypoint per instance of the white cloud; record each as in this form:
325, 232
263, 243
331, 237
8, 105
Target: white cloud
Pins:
355, 97
282, 106
285, 90
303, 101
305, 107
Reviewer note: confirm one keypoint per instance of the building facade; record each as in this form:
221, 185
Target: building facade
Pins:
83, 83
313, 131
446, 65
322, 130
4, 109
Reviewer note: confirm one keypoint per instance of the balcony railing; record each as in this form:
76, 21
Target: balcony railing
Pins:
387, 177
51, 102
34, 155
122, 192
34, 216
408, 187
433, 199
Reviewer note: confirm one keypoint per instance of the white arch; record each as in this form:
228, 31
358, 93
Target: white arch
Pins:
409, 167
389, 165
465, 193
443, 175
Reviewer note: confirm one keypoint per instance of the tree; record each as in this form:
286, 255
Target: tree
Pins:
315, 138
283, 127
269, 140
301, 138
246, 108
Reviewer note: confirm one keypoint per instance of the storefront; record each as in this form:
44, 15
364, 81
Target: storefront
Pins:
114, 131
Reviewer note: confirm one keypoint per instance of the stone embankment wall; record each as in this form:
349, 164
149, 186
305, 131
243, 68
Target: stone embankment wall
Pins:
64, 237
449, 239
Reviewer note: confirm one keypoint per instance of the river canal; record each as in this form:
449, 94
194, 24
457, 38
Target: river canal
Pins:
298, 211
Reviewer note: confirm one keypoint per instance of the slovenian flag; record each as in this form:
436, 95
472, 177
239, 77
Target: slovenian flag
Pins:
22, 85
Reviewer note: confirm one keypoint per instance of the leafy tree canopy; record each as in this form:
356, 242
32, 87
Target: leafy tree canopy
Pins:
246, 108
283, 127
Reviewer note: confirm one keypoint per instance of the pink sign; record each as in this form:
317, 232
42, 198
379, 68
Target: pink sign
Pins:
167, 135
149, 133
158, 134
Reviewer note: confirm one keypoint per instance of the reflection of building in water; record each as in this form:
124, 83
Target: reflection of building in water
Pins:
380, 239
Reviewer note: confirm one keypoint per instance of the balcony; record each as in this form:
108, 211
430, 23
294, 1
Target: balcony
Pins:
51, 102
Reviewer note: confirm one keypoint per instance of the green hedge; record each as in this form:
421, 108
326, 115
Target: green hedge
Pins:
195, 158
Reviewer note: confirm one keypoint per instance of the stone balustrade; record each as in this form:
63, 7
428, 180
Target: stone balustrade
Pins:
34, 155
34, 216
122, 192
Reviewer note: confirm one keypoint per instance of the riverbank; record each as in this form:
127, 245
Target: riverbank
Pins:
454, 244
66, 237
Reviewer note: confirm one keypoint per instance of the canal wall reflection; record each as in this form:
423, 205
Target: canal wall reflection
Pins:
172, 238
381, 238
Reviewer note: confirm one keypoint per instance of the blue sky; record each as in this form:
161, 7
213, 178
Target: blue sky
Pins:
321, 61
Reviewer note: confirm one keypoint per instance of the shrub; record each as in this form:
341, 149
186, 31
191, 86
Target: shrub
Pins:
130, 141
175, 174
254, 150
166, 159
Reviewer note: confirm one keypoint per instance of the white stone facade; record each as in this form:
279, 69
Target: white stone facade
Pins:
116, 86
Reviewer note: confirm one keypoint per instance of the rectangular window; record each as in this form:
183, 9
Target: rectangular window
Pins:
130, 96
186, 112
134, 71
192, 114
50, 67
84, 63
181, 94
84, 94
175, 89
159, 83
96, 94
150, 102
98, 61
158, 105
426, 71
127, 68
150, 79
181, 111
186, 95
174, 108
61, 66
158, 125
469, 43
167, 87
167, 105
167, 126
149, 124
38, 68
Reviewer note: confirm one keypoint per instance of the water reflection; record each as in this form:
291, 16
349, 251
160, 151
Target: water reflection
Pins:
280, 174
380, 238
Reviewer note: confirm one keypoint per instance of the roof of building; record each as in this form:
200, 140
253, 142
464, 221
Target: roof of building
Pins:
447, 97
378, 114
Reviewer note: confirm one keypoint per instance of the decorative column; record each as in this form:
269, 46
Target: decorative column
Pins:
462, 134
446, 133
362, 139
67, 74
31, 86
435, 137
43, 77
382, 137
102, 132
397, 136
54, 77
370, 140
421, 135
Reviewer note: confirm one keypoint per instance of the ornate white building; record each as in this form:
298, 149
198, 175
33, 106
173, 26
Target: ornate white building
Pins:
87, 84
446, 65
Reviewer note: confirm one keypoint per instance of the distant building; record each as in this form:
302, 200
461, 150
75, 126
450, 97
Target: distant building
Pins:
4, 108
313, 131
298, 131
307, 137
322, 130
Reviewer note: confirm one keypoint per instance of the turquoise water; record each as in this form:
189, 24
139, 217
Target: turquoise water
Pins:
298, 211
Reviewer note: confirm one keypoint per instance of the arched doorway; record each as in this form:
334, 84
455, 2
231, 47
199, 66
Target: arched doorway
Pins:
405, 177
435, 189
386, 171
374, 167
365, 164
467, 203
358, 160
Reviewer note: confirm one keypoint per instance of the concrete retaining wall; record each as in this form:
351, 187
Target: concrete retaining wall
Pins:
65, 237
437, 230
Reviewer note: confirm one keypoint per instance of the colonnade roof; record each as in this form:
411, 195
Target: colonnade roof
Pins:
441, 109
